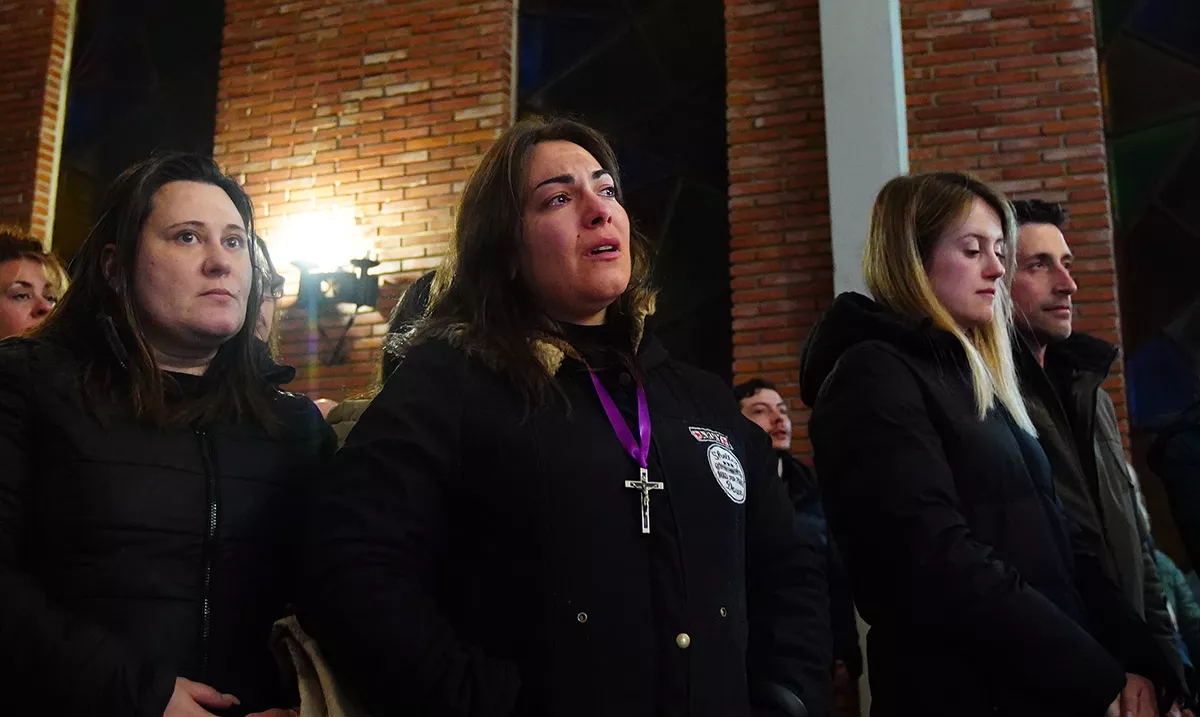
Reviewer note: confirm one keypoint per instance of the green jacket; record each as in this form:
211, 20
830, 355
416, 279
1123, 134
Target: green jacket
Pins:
1181, 602
1078, 427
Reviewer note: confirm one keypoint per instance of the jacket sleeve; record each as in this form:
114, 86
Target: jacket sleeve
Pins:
51, 658
1158, 618
379, 532
810, 506
787, 597
1162, 662
841, 613
1118, 627
897, 517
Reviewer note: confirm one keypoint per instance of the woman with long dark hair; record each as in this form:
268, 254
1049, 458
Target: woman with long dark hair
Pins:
153, 474
542, 513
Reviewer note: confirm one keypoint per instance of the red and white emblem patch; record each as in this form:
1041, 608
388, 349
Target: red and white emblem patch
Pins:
708, 435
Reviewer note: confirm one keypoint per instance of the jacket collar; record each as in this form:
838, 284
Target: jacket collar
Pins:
272, 372
852, 319
551, 350
1081, 353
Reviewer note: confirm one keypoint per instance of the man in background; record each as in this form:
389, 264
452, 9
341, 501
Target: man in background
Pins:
760, 402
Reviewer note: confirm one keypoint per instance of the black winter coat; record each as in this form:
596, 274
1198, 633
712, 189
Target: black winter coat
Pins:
957, 549
467, 562
810, 518
130, 555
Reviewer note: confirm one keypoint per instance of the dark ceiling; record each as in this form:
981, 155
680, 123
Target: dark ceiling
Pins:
650, 74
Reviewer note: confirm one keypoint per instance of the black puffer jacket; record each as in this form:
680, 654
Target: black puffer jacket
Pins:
130, 555
957, 549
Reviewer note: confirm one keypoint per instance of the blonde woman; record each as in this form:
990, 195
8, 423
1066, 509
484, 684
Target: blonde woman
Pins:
937, 488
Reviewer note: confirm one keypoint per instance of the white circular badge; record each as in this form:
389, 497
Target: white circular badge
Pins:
727, 469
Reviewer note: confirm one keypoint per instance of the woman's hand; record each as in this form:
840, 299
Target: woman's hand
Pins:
191, 698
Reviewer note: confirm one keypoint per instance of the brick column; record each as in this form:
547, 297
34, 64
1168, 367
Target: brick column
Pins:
34, 59
1011, 92
379, 109
782, 266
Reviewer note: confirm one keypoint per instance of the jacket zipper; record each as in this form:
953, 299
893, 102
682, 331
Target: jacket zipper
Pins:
210, 532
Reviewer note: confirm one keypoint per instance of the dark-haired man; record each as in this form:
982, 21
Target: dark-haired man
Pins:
760, 401
1062, 377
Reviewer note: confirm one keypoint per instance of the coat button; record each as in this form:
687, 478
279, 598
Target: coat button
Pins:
581, 617
625, 379
683, 641
724, 612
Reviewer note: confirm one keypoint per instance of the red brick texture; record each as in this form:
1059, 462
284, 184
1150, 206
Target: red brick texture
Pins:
376, 107
781, 261
33, 67
1010, 90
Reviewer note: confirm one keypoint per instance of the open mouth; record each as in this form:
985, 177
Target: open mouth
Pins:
603, 249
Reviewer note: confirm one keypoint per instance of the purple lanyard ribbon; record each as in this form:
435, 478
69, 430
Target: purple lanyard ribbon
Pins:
639, 451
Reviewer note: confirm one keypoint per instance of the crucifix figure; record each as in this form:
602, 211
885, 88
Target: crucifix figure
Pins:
645, 485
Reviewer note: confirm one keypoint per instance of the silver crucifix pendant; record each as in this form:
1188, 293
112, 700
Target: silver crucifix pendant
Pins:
644, 486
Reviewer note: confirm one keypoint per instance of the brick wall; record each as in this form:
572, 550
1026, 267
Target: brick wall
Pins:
782, 265
374, 108
33, 65
1011, 91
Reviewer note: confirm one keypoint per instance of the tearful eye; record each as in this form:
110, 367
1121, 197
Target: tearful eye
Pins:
557, 200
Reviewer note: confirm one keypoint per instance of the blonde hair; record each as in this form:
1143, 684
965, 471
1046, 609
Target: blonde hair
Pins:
910, 215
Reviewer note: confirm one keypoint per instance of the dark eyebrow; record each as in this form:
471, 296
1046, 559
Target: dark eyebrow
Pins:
200, 225
569, 179
1048, 257
767, 404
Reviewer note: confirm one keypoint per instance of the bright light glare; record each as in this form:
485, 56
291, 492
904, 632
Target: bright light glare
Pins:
327, 239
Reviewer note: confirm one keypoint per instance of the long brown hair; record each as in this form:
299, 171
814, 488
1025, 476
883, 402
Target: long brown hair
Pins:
480, 302
99, 319
911, 214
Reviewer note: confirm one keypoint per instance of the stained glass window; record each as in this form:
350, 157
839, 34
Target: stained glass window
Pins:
1150, 52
